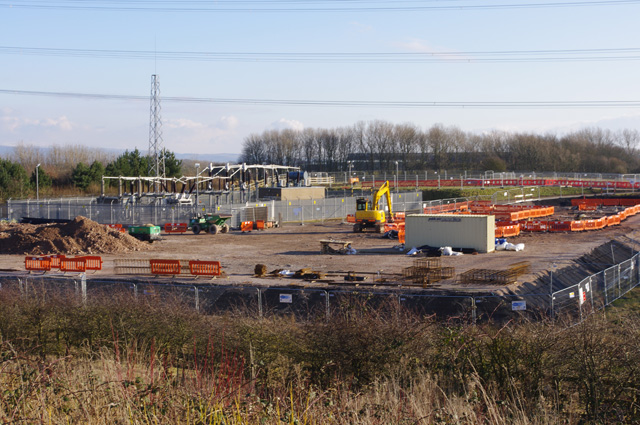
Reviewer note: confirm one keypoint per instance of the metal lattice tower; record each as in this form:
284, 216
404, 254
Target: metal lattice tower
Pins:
156, 165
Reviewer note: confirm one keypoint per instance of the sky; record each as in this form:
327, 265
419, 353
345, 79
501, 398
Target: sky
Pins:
79, 72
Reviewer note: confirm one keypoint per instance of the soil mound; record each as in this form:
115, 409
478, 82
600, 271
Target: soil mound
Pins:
80, 236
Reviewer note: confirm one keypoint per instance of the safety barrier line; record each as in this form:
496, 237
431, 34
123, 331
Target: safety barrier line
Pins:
205, 268
176, 227
55, 260
93, 262
165, 267
37, 264
73, 265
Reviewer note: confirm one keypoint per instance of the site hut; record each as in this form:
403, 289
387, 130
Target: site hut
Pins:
457, 231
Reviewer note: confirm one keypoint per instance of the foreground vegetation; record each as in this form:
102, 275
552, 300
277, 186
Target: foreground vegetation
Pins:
117, 360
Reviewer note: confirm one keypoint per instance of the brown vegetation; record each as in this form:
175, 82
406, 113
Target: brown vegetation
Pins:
377, 145
119, 359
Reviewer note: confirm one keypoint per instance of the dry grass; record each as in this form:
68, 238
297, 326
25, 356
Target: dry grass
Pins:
126, 361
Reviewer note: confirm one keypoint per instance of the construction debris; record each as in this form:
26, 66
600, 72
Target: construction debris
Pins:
495, 277
260, 270
342, 247
427, 271
78, 236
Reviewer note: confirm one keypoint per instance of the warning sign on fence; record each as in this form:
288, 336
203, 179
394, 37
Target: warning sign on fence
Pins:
518, 305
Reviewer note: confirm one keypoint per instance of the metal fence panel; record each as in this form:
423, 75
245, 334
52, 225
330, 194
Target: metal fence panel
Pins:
139, 214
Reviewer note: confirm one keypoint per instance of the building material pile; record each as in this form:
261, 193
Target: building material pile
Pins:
427, 271
79, 236
494, 277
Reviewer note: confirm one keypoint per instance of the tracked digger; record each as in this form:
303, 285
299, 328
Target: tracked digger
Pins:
370, 215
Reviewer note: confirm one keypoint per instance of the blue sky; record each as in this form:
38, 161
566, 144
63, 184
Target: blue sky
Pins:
84, 26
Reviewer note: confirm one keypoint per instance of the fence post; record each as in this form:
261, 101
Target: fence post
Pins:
619, 287
591, 292
259, 302
473, 310
83, 288
326, 302
197, 296
606, 289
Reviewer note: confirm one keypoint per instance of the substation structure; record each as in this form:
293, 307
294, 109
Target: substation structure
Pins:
219, 180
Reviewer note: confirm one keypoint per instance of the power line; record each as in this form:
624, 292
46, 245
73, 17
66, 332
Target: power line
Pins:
578, 104
298, 6
565, 55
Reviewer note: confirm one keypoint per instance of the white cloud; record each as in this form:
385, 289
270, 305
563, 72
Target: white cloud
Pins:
61, 123
12, 123
283, 123
183, 123
228, 123
187, 135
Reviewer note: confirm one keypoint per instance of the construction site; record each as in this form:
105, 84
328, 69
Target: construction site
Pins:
451, 258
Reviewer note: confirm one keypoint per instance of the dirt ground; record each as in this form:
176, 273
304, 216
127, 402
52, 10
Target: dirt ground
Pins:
294, 247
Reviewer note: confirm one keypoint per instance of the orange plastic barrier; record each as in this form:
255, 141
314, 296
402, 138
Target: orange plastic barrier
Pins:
613, 220
589, 224
205, 268
351, 218
168, 267
260, 224
175, 227
93, 262
390, 226
401, 234
73, 265
513, 230
585, 207
246, 226
626, 202
535, 226
577, 226
37, 263
399, 216
117, 227
498, 232
601, 223
55, 260
559, 226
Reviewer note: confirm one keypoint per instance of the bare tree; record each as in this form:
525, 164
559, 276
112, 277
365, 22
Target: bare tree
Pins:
407, 141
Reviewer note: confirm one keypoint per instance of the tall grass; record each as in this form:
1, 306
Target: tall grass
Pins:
122, 360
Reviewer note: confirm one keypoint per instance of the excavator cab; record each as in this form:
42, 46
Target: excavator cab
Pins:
362, 204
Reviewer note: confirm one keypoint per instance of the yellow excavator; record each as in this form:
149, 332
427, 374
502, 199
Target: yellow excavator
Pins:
369, 214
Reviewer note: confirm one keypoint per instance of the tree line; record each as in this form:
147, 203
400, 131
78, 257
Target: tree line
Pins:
378, 145
74, 167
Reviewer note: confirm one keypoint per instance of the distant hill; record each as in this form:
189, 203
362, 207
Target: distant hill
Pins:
213, 157
6, 151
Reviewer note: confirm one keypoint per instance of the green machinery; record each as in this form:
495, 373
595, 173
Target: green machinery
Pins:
211, 223
148, 232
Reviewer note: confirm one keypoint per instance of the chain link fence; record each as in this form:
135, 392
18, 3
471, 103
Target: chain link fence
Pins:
302, 303
574, 303
139, 214
568, 306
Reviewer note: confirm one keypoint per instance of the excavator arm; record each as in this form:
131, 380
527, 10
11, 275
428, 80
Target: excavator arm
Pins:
384, 190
